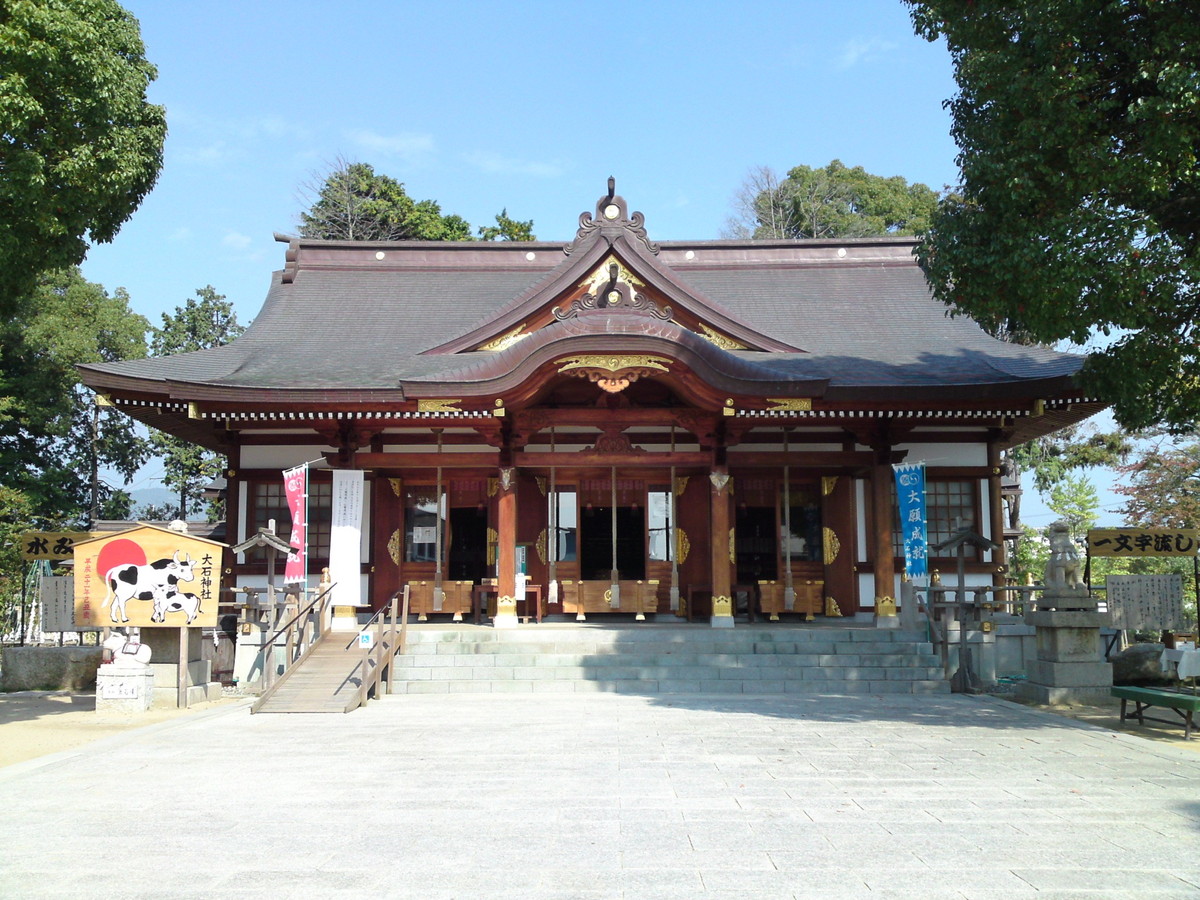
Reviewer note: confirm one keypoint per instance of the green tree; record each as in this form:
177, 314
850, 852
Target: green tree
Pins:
53, 439
353, 203
204, 321
1075, 501
507, 229
1162, 485
833, 201
1078, 125
79, 145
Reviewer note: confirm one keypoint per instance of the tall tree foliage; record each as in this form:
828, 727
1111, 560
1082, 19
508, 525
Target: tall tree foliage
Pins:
354, 203
53, 440
204, 321
507, 229
1078, 125
80, 146
1162, 485
832, 201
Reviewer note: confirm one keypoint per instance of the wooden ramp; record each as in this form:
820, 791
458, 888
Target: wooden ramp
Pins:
326, 681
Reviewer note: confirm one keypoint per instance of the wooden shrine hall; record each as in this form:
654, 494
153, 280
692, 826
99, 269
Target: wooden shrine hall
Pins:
613, 425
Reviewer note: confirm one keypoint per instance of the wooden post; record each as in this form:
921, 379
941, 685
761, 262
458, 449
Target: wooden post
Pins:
722, 599
181, 698
506, 567
883, 558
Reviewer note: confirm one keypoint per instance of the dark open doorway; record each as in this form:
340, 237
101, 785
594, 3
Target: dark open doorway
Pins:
595, 543
468, 544
756, 544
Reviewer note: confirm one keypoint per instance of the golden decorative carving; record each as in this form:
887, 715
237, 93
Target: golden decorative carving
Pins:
885, 606
601, 275
936, 577
506, 606
790, 404
828, 483
732, 547
720, 340
684, 545
614, 364
831, 608
683, 610
506, 340
681, 483
722, 606
438, 406
508, 478
832, 545
397, 486
541, 483
493, 486
719, 480
540, 546
395, 542
493, 541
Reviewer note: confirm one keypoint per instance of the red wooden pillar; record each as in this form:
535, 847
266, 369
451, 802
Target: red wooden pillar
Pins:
722, 590
506, 559
883, 556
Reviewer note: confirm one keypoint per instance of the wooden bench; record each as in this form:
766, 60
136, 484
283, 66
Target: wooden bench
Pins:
1184, 705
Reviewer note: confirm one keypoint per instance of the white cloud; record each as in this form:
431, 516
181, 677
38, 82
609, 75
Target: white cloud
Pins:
493, 163
180, 235
213, 154
863, 50
408, 147
236, 241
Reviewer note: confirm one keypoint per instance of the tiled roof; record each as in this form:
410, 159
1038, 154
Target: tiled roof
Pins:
363, 317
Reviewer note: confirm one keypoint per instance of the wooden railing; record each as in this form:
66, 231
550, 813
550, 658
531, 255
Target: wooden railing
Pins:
380, 649
304, 631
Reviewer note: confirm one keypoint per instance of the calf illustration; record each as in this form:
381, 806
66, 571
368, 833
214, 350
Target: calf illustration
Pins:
155, 581
168, 601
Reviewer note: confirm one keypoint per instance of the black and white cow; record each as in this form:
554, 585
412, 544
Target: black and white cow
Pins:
175, 601
155, 581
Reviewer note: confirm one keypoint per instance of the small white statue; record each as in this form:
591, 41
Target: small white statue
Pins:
1063, 568
125, 653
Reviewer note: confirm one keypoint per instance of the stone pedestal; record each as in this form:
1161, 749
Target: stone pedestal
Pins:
1069, 666
124, 691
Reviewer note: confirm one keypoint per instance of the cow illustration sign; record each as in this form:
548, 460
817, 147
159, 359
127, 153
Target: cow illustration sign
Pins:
147, 577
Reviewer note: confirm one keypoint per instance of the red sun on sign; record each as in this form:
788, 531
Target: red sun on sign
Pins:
122, 552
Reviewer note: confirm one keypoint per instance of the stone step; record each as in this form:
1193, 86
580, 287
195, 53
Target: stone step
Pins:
636, 659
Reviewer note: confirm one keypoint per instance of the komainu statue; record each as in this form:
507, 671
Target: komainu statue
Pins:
1064, 570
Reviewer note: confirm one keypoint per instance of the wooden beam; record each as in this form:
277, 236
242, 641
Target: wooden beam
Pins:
482, 459
526, 460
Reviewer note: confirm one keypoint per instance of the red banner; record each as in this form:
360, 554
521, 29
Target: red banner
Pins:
295, 486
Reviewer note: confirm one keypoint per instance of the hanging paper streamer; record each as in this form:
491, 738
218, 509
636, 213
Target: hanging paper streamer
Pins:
910, 496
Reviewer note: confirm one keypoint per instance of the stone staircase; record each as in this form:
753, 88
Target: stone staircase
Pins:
669, 659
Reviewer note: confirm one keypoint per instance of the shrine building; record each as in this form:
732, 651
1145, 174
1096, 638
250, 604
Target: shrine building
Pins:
682, 428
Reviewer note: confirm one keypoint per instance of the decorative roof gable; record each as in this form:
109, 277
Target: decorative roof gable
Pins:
612, 269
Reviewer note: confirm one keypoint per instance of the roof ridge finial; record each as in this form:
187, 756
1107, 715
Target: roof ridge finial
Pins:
612, 187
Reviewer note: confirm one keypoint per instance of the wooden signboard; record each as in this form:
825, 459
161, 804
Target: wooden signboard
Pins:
51, 544
148, 577
1143, 542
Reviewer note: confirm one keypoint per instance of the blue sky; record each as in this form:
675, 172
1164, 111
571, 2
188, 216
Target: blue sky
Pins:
526, 106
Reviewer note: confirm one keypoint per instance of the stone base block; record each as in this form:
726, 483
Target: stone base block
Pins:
722, 621
1070, 674
887, 621
505, 621
1058, 695
49, 668
124, 692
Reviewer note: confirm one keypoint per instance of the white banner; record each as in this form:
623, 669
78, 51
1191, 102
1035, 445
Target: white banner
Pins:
345, 537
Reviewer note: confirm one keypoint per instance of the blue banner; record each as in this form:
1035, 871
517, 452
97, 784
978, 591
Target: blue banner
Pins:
910, 497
